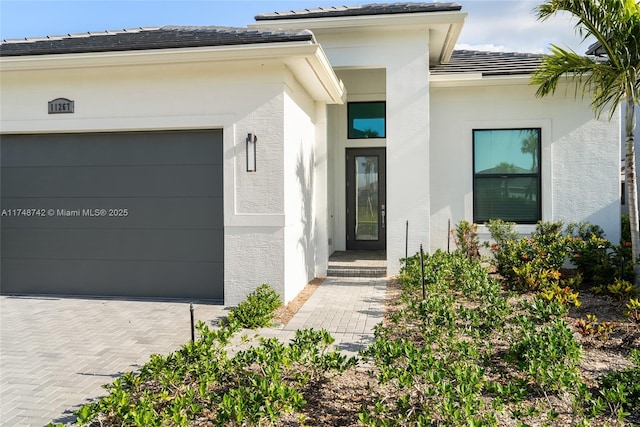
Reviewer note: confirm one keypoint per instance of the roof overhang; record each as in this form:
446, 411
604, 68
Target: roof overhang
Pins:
306, 60
477, 79
444, 27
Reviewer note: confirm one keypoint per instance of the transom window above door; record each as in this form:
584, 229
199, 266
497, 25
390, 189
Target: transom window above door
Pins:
506, 175
367, 120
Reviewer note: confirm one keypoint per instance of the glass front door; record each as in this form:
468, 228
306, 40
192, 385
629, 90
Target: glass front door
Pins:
366, 198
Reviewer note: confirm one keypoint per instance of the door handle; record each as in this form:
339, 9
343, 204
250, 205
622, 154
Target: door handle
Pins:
383, 214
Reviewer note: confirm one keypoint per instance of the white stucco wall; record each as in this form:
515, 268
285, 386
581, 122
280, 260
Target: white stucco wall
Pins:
253, 256
299, 189
409, 185
580, 155
321, 191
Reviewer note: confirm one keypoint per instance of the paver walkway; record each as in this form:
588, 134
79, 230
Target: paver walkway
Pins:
348, 308
56, 353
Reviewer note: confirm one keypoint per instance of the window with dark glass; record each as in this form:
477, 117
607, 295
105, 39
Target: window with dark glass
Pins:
367, 119
506, 175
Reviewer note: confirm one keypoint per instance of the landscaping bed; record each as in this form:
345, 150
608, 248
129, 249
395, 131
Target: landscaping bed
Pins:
518, 342
556, 375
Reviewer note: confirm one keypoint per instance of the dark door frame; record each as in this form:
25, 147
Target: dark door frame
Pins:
352, 242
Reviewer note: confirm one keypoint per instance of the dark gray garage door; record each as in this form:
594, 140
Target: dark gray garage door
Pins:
116, 214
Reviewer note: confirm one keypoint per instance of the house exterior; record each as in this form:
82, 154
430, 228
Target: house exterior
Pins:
201, 162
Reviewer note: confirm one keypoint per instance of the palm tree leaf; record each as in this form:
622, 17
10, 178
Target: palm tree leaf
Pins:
560, 64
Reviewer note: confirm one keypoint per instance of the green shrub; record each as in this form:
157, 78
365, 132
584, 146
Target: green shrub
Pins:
621, 389
257, 310
542, 311
410, 271
597, 259
534, 263
531, 263
633, 310
619, 288
502, 232
465, 235
549, 355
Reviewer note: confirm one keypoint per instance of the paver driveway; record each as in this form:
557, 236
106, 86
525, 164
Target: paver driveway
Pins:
55, 353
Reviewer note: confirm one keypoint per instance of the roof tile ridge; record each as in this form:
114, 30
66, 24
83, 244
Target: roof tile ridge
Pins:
96, 33
499, 53
236, 30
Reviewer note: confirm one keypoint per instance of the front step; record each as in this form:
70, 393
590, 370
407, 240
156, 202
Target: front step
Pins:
357, 264
340, 271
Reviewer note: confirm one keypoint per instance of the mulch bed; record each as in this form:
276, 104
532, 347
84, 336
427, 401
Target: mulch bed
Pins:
338, 401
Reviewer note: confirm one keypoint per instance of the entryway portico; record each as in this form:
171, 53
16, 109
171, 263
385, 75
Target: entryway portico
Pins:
382, 55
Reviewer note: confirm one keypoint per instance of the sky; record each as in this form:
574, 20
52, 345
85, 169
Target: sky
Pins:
496, 25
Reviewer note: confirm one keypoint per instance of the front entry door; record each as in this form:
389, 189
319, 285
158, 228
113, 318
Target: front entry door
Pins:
366, 199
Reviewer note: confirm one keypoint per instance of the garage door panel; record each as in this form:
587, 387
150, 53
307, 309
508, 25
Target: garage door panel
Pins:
102, 244
150, 212
118, 181
135, 279
111, 149
168, 244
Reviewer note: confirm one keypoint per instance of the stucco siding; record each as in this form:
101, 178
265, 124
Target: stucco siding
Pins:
357, 50
585, 183
321, 189
408, 140
253, 256
131, 97
299, 189
579, 154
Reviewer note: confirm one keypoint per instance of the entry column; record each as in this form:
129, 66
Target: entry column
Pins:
408, 182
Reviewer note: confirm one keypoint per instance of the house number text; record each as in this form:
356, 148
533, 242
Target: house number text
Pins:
60, 106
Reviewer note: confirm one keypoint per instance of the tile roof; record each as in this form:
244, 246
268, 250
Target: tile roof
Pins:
362, 10
148, 38
489, 63
595, 49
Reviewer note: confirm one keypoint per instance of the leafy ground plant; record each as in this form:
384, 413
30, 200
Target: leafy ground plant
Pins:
257, 309
621, 390
202, 384
471, 353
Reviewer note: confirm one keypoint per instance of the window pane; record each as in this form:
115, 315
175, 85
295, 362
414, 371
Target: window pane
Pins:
508, 198
506, 151
366, 120
366, 197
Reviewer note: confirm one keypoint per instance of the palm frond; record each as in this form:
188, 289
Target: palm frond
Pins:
562, 63
615, 75
615, 24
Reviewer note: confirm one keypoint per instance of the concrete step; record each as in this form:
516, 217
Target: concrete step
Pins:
353, 271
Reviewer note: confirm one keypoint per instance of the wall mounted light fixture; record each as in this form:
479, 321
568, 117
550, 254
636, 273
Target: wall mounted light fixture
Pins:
251, 152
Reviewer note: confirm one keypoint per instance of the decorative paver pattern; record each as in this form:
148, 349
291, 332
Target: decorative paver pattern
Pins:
348, 308
56, 353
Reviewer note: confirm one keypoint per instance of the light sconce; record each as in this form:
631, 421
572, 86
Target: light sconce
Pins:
251, 152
